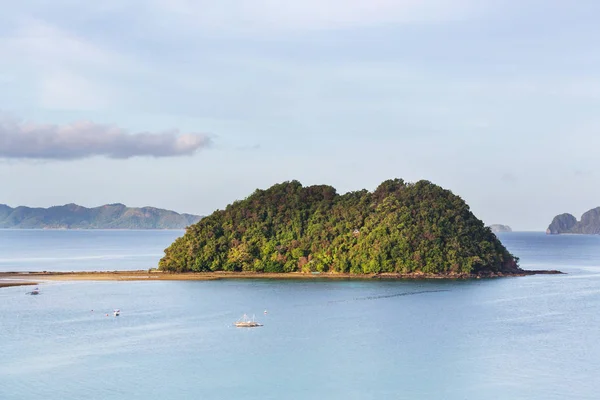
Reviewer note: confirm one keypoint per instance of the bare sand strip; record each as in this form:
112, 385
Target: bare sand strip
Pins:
205, 276
11, 284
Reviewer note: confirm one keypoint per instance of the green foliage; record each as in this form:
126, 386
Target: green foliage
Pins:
399, 228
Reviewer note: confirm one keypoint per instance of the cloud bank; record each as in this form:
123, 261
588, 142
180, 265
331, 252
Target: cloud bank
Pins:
265, 15
85, 139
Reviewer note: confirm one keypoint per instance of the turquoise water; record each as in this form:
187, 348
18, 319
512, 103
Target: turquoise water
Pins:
531, 337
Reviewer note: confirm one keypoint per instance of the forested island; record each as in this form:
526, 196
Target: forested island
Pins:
497, 228
567, 223
400, 228
109, 216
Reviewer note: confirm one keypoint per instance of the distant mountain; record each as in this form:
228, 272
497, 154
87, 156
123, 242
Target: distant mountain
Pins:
567, 223
496, 228
110, 216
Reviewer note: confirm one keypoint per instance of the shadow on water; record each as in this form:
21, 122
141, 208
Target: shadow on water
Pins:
387, 296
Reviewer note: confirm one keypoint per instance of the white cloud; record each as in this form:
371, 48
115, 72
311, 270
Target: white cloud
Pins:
26, 140
51, 46
243, 15
67, 71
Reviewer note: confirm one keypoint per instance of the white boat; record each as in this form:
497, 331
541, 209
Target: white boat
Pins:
35, 292
117, 313
246, 322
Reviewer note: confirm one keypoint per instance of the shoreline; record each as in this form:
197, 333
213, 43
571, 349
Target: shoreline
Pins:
93, 229
13, 284
142, 275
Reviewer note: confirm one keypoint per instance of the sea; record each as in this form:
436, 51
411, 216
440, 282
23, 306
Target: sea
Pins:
532, 337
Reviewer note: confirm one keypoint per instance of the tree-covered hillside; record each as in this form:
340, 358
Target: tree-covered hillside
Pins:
399, 228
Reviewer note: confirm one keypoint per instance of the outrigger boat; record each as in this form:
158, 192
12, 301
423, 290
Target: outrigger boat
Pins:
246, 322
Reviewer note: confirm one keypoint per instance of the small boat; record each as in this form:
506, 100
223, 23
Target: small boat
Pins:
35, 292
116, 313
246, 322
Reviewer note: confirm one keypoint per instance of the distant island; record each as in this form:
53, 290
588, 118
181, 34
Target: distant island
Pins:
110, 216
567, 223
403, 229
497, 228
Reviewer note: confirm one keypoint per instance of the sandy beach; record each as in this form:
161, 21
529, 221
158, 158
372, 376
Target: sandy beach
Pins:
34, 277
11, 284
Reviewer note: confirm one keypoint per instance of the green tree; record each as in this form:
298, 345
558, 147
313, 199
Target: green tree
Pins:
399, 228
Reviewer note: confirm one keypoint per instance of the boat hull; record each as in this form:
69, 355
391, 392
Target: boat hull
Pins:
247, 324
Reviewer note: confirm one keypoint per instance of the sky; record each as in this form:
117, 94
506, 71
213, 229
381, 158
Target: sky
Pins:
190, 105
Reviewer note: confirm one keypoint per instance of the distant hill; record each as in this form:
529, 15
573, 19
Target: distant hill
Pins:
567, 223
110, 216
496, 228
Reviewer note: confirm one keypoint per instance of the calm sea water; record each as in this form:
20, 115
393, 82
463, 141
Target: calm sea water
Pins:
531, 337
82, 250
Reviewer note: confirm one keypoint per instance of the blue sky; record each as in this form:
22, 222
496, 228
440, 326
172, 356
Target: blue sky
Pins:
189, 105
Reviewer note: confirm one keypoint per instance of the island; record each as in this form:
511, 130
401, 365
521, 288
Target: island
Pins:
110, 216
497, 228
399, 230
567, 223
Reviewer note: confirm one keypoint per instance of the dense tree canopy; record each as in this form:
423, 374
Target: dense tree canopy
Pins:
399, 228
